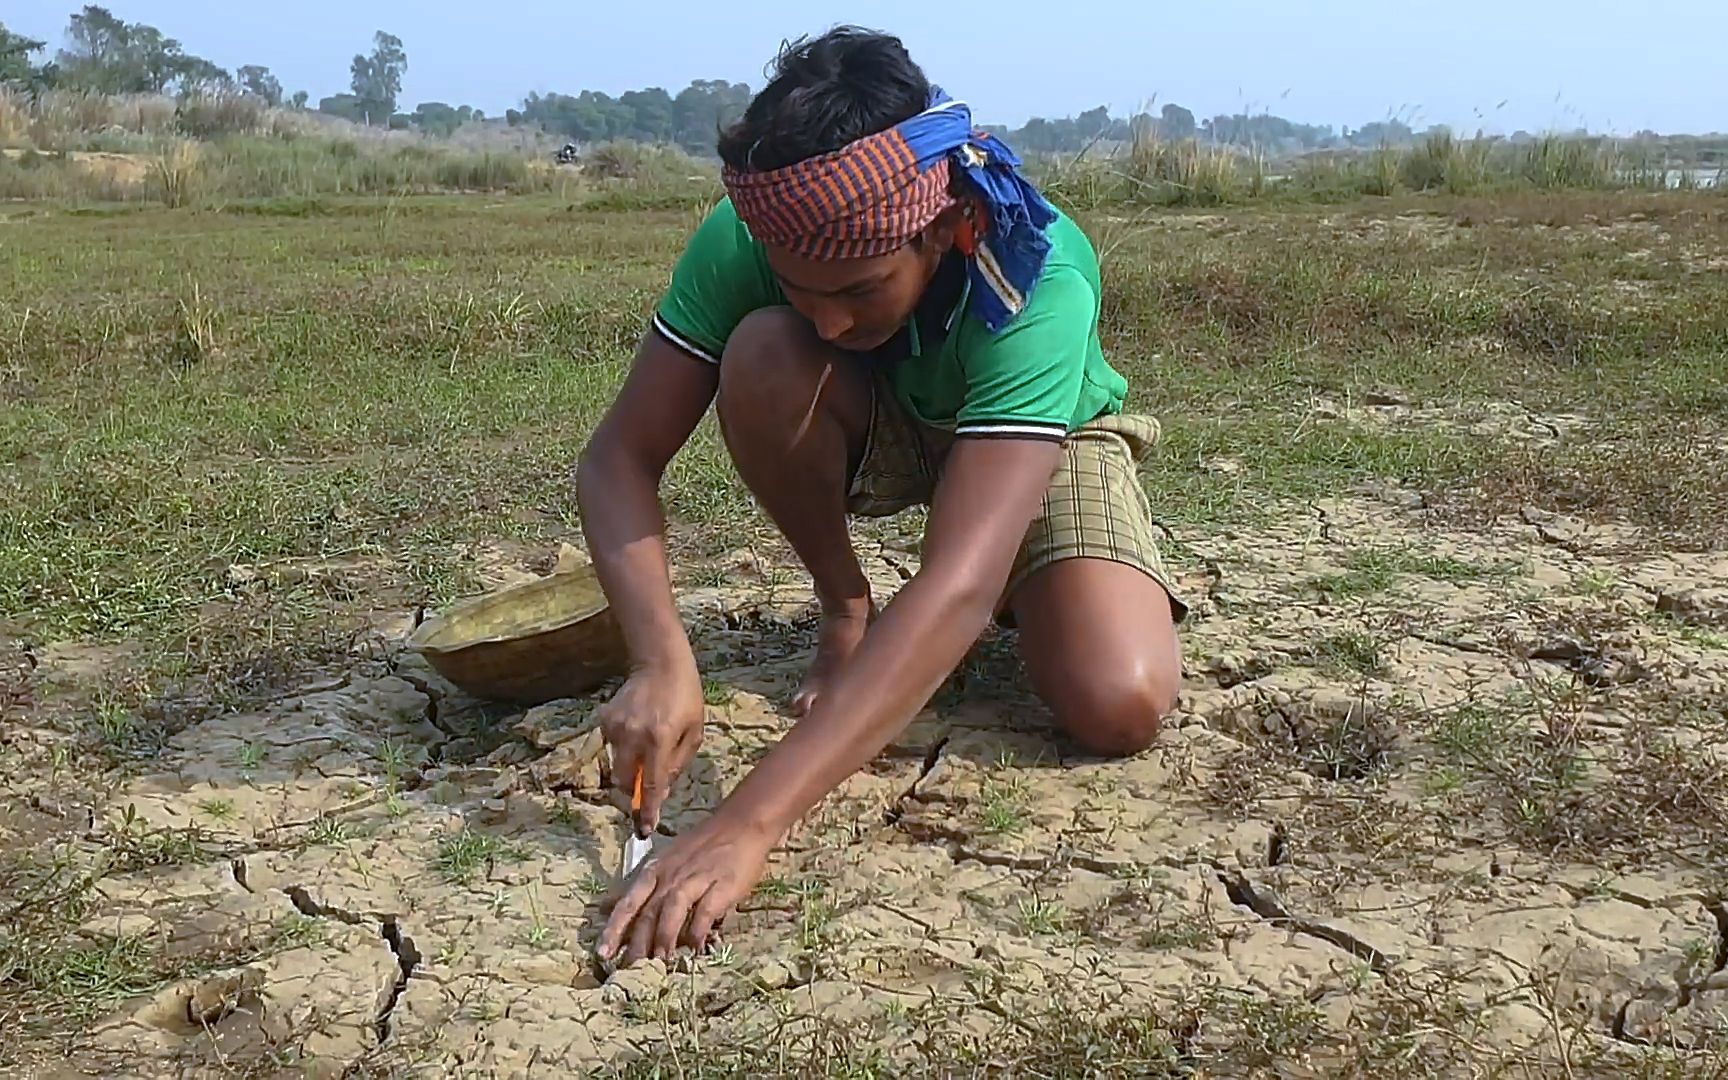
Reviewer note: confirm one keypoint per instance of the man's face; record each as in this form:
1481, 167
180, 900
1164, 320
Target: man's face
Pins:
858, 304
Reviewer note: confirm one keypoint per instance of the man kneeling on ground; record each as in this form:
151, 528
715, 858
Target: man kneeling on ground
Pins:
885, 314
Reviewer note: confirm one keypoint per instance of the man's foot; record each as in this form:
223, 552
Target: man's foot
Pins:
837, 639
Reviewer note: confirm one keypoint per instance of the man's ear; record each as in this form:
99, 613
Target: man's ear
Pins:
940, 233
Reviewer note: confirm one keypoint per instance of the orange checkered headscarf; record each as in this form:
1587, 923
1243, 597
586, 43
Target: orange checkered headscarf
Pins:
876, 194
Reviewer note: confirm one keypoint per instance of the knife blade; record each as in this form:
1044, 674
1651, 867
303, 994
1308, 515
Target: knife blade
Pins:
636, 846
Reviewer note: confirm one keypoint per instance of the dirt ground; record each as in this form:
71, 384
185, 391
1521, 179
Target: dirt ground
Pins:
1447, 792
1435, 800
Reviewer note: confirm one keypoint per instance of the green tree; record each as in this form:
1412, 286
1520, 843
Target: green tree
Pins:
15, 52
109, 55
256, 80
299, 99
437, 118
1175, 122
377, 79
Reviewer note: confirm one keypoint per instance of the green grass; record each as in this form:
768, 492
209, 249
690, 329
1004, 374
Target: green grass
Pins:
1374, 570
190, 391
1348, 654
716, 694
1042, 917
1003, 806
463, 856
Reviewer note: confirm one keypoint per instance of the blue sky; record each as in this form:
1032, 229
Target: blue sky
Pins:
1554, 63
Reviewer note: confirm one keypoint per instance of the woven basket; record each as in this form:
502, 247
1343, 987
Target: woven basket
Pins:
554, 637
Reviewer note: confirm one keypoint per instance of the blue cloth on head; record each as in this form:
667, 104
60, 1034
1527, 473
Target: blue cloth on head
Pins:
1011, 253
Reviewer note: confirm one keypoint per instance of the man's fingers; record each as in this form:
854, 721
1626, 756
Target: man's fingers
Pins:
642, 933
655, 780
674, 913
703, 917
624, 909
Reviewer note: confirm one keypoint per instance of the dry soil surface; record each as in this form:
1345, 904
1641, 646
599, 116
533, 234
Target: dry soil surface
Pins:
1455, 777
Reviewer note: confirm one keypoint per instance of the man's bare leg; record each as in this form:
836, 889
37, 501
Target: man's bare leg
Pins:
1099, 642
795, 413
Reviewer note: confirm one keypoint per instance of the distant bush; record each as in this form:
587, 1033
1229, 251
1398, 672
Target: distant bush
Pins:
208, 115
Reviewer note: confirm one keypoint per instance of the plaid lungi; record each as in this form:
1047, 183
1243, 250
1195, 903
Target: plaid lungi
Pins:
1094, 508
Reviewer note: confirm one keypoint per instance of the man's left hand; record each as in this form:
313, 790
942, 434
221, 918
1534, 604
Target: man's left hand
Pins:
683, 891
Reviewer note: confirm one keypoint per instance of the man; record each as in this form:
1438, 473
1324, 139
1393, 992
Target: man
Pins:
885, 313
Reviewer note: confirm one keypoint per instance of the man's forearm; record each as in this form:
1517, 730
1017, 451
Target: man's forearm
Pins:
626, 534
919, 639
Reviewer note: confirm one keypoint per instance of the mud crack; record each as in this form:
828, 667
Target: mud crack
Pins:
407, 959
1266, 904
893, 814
389, 928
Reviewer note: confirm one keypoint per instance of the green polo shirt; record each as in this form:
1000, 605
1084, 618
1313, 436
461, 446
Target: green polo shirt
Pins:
1042, 376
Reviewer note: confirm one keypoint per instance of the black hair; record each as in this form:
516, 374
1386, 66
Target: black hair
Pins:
824, 93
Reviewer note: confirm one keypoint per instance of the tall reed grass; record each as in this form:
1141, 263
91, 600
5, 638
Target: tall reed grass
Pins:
1149, 171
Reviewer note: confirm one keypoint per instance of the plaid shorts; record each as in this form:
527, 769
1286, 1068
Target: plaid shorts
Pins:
1095, 507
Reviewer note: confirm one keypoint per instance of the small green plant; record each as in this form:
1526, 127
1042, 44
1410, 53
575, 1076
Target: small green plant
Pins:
393, 755
299, 931
776, 888
249, 757
716, 694
815, 915
593, 885
462, 855
327, 830
1445, 780
116, 725
1176, 934
1039, 916
217, 809
565, 815
194, 331
722, 956
1349, 653
1002, 808
1472, 732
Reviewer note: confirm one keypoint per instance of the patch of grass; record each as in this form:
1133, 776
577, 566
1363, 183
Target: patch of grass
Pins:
85, 979
716, 694
1002, 806
1596, 583
1704, 637
301, 931
1348, 654
816, 913
117, 726
217, 809
1473, 732
463, 855
327, 830
1042, 917
249, 757
777, 888
1374, 570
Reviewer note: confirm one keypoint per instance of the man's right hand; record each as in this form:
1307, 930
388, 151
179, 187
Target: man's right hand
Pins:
654, 722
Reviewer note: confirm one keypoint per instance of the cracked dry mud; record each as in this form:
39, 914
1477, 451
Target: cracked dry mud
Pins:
1328, 820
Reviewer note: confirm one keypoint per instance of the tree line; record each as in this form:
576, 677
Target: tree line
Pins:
105, 54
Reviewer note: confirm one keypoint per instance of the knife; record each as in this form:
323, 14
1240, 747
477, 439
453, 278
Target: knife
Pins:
636, 845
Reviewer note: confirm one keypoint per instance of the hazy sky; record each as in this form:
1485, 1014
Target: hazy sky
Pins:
1554, 63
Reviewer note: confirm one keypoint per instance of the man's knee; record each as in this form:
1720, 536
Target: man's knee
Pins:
1118, 714
778, 381
769, 365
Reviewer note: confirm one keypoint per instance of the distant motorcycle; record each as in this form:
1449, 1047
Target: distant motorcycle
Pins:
568, 155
